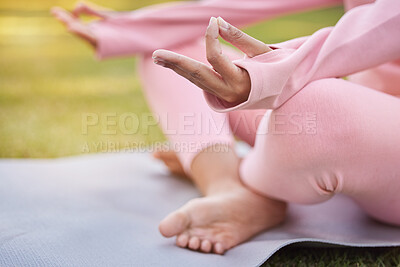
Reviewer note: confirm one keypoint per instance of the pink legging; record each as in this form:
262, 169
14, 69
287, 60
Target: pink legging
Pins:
334, 136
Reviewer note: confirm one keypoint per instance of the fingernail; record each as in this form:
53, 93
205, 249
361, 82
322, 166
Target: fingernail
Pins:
212, 19
159, 62
222, 23
154, 55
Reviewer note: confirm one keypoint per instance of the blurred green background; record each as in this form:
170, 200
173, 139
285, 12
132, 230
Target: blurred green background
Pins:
49, 78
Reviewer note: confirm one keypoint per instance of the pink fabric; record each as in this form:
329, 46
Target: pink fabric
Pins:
334, 136
184, 116
324, 136
384, 78
166, 26
349, 47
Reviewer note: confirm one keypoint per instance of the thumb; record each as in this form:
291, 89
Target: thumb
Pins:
249, 45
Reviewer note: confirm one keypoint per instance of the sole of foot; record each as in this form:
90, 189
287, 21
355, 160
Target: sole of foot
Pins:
216, 223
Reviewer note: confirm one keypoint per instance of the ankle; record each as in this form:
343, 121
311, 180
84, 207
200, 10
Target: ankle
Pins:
222, 185
215, 170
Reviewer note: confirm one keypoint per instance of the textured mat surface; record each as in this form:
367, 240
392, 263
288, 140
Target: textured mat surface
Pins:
103, 210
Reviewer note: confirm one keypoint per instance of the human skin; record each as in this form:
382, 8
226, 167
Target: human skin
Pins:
304, 65
210, 224
268, 153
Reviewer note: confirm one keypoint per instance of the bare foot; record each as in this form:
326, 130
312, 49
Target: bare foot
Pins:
172, 162
220, 221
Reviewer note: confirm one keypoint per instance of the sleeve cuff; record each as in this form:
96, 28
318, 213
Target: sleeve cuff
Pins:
268, 74
103, 36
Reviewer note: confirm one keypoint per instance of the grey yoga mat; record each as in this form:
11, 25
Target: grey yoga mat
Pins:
103, 210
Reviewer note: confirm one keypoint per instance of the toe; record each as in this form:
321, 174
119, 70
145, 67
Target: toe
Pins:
194, 243
182, 240
206, 246
174, 224
218, 248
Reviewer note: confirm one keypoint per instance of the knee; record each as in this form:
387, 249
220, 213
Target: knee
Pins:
320, 118
315, 129
298, 146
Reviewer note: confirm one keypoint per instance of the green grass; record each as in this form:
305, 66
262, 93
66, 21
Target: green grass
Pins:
334, 257
49, 80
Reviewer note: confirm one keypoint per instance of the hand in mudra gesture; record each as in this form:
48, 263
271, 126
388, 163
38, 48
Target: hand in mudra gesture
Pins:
224, 80
75, 25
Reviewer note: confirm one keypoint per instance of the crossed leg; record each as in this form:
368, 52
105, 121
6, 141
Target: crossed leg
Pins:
354, 151
350, 149
334, 136
214, 223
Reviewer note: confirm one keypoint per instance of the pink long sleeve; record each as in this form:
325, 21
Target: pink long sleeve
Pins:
165, 26
365, 37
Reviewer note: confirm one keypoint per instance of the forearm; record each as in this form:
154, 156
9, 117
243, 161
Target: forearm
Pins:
165, 26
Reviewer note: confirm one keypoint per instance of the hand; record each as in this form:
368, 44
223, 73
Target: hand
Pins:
225, 80
75, 25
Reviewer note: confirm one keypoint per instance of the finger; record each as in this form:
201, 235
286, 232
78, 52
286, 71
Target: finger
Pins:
63, 15
92, 9
249, 45
74, 25
196, 72
221, 63
182, 73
